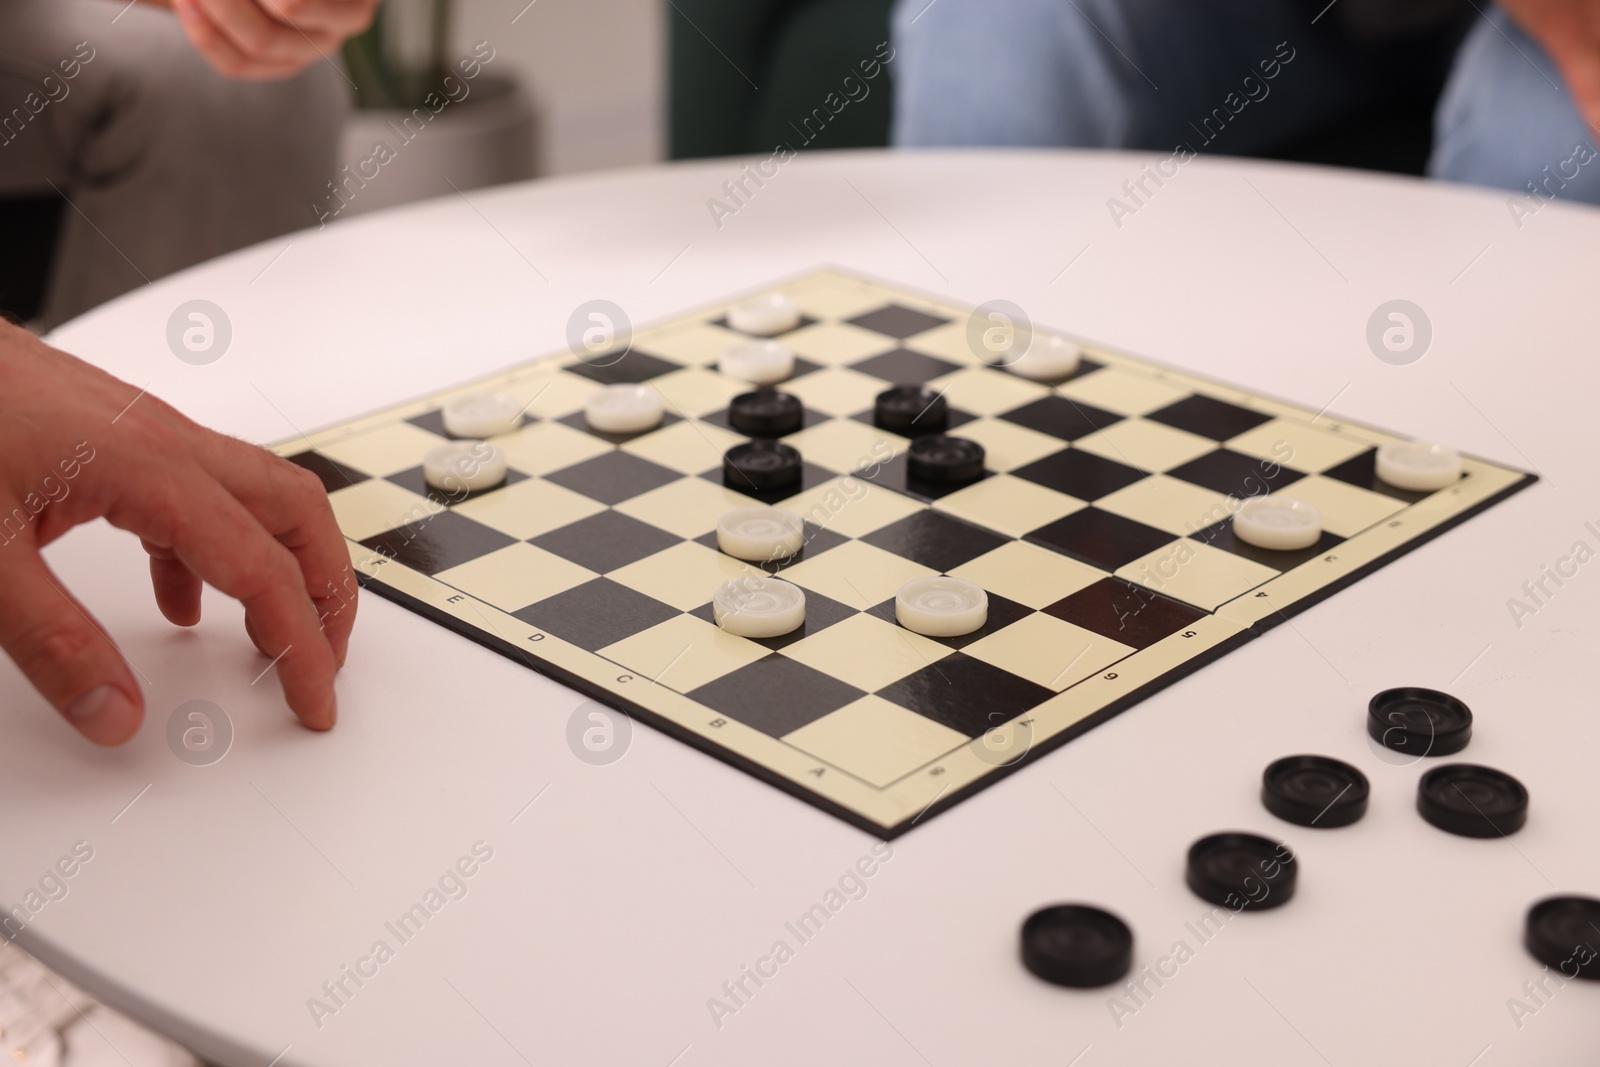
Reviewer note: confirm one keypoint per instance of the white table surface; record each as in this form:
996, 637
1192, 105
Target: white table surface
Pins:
620, 901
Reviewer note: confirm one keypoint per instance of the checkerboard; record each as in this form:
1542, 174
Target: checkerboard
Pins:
1100, 531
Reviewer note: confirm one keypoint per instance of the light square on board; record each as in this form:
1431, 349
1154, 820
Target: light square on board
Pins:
835, 344
383, 451
688, 507
529, 508
835, 298
852, 507
947, 342
372, 507
1169, 504
836, 390
1028, 574
695, 391
857, 574
845, 445
875, 740
684, 653
554, 393
549, 446
1007, 445
1122, 391
982, 391
1048, 651
685, 575
1299, 444
1196, 574
867, 652
688, 446
698, 344
515, 576
1008, 505
1346, 509
1149, 446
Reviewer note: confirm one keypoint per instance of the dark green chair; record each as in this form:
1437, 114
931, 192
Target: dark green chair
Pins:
798, 51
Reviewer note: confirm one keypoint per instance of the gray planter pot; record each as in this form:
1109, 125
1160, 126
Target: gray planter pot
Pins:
396, 157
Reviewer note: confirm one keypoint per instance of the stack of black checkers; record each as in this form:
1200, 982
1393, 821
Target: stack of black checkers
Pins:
1081, 946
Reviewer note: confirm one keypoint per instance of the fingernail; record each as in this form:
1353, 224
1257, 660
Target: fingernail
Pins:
104, 714
333, 710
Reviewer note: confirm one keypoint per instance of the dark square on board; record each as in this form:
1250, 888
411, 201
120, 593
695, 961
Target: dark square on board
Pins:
1236, 474
935, 540
596, 614
433, 422
1125, 612
811, 476
1061, 417
904, 367
438, 542
416, 480
896, 321
1106, 540
818, 540
1362, 471
896, 474
805, 320
628, 367
1216, 419
776, 695
613, 477
1220, 535
1002, 613
821, 613
605, 541
578, 421
335, 476
1080, 474
965, 694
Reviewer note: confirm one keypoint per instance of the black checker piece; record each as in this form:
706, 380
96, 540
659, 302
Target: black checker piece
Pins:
629, 367
596, 614
1063, 418
1080, 474
1362, 471
776, 695
335, 476
613, 477
896, 474
438, 542
1220, 535
965, 694
1125, 612
1207, 417
1100, 537
904, 367
821, 613
935, 540
606, 541
811, 476
897, 322
1236, 474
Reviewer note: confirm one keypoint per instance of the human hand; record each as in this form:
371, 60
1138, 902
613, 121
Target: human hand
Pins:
76, 445
258, 40
1569, 31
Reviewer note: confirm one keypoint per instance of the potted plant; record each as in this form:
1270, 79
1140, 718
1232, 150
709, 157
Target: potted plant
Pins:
429, 120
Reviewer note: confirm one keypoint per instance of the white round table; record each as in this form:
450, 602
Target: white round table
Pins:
619, 900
